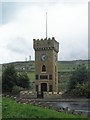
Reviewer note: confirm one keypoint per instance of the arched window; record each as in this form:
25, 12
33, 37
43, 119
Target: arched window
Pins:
43, 68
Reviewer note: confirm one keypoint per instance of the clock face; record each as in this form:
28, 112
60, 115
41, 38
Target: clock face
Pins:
43, 57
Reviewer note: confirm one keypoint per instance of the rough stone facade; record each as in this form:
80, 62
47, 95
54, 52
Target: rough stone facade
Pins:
46, 69
28, 95
33, 95
51, 95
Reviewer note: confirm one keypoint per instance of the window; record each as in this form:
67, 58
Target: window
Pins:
55, 76
43, 68
55, 68
50, 88
50, 77
48, 42
43, 77
36, 87
37, 44
36, 77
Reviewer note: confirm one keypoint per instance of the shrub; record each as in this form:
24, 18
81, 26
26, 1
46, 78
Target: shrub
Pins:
23, 80
78, 84
9, 77
13, 82
16, 89
80, 75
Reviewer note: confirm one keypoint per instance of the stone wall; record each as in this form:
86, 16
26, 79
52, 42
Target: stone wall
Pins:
55, 95
28, 94
33, 95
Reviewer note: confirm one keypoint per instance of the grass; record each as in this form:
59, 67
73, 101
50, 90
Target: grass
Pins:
31, 76
12, 109
65, 67
63, 79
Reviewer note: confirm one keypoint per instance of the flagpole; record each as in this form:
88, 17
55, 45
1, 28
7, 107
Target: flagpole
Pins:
46, 25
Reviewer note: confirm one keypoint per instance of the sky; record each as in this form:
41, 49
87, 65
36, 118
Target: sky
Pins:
22, 21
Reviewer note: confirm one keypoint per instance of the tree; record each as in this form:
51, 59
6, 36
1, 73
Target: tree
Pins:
82, 90
23, 80
79, 76
16, 90
9, 77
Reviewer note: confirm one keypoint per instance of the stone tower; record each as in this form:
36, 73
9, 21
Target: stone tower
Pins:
46, 64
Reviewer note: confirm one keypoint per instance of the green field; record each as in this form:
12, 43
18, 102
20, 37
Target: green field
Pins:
12, 109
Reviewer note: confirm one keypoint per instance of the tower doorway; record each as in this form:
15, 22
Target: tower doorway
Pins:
43, 87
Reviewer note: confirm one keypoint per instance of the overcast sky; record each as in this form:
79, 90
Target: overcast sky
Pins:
21, 22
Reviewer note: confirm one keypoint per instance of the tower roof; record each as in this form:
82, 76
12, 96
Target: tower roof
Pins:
43, 44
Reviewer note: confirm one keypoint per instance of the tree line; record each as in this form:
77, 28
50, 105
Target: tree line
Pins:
79, 83
12, 81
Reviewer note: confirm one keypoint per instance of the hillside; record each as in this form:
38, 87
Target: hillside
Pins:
63, 66
64, 70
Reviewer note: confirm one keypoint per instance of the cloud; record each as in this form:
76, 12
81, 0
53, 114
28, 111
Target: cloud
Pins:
9, 11
9, 8
66, 22
19, 45
47, 1
0, 13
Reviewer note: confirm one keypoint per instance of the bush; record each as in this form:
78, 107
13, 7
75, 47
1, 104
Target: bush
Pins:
79, 85
23, 80
13, 82
82, 90
9, 77
16, 89
79, 76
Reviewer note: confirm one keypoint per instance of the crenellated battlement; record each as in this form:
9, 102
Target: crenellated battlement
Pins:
43, 44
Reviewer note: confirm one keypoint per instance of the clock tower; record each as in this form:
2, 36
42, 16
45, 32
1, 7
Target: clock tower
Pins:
46, 65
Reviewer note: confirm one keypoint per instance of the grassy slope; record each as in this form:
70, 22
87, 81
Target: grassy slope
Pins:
31, 76
62, 65
11, 109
